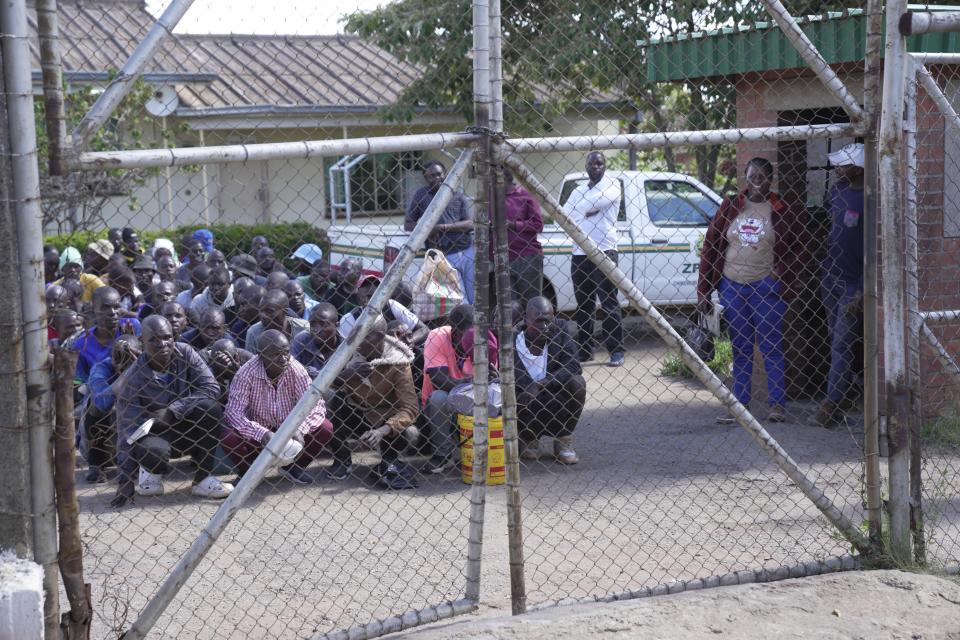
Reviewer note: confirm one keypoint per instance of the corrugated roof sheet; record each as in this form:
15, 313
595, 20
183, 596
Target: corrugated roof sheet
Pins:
328, 71
840, 37
341, 73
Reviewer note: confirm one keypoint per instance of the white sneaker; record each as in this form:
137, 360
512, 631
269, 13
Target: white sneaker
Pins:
212, 487
149, 484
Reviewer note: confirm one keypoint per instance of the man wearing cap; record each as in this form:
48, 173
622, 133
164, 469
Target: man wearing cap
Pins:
145, 274
130, 246
305, 257
71, 268
263, 393
453, 233
318, 286
406, 322
842, 279
205, 236
96, 259
243, 265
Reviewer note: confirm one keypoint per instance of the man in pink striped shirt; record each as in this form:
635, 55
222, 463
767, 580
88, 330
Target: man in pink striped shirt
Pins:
262, 394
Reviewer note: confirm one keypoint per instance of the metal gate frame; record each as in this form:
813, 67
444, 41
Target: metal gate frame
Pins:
487, 148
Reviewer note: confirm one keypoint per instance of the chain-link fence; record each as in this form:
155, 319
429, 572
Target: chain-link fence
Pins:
931, 127
277, 254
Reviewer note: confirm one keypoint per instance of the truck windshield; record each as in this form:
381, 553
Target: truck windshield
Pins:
671, 203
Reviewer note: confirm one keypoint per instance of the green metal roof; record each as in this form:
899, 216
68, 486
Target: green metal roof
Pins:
840, 37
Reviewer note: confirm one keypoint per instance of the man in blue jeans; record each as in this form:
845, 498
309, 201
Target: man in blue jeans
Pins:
842, 280
453, 233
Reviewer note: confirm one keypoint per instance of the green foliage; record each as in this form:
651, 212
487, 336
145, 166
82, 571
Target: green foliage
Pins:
942, 434
76, 201
674, 367
561, 54
229, 238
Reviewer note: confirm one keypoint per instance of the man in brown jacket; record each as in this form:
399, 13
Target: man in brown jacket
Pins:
375, 400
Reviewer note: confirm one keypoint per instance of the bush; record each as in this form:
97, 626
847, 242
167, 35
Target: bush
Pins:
232, 239
672, 366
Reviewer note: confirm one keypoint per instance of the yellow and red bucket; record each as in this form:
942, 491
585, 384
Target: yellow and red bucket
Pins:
496, 458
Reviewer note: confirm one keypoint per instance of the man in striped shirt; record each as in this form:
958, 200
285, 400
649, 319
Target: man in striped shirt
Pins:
262, 394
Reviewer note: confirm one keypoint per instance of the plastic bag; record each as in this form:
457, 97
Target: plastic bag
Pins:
437, 288
701, 340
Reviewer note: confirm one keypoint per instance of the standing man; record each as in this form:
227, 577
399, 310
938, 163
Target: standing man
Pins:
524, 253
263, 393
842, 284
594, 206
171, 384
453, 233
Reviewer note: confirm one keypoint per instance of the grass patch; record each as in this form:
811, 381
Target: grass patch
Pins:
942, 434
673, 367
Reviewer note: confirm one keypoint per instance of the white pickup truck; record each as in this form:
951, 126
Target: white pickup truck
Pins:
662, 221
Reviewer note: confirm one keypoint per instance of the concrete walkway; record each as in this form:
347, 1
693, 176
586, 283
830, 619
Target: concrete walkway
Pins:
861, 605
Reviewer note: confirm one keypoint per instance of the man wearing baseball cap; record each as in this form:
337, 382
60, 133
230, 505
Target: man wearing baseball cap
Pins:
305, 257
842, 279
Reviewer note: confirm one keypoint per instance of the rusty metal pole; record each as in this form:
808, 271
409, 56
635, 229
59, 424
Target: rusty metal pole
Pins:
897, 398
75, 624
871, 407
48, 32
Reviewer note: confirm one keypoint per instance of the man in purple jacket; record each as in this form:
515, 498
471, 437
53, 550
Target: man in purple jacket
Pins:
524, 222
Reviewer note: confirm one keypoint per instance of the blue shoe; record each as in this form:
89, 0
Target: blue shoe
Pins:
616, 359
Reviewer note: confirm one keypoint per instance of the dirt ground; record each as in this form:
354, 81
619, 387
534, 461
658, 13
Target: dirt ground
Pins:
878, 605
662, 494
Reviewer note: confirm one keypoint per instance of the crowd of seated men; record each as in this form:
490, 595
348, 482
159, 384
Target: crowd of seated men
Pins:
184, 352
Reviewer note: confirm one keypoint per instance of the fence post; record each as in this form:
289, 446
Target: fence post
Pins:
14, 436
511, 441
914, 319
481, 111
26, 197
76, 623
871, 408
897, 398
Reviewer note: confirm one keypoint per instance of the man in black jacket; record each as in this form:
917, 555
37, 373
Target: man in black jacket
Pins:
551, 391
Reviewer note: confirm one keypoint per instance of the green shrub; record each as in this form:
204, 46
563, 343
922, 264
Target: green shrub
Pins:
232, 239
942, 434
672, 366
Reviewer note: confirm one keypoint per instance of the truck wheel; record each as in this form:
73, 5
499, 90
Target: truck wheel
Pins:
549, 293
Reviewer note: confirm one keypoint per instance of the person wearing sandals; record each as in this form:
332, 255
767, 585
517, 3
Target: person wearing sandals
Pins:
551, 390
753, 251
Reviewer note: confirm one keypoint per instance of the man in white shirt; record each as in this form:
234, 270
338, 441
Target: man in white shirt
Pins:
551, 390
594, 207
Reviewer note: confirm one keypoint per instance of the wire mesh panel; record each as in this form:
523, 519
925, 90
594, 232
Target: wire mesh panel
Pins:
932, 236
